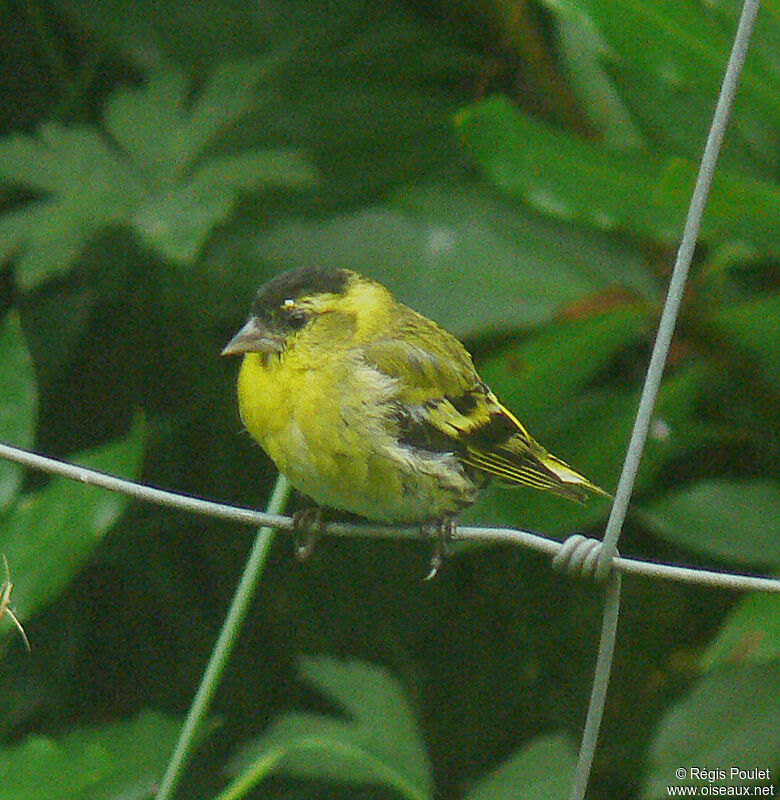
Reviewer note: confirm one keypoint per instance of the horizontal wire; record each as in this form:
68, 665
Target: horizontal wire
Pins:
248, 516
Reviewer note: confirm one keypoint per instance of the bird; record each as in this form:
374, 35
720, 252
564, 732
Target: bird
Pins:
369, 407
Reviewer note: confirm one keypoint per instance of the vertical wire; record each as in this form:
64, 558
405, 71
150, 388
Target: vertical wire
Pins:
598, 692
650, 389
674, 296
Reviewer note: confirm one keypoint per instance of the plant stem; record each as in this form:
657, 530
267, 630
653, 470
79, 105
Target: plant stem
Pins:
228, 636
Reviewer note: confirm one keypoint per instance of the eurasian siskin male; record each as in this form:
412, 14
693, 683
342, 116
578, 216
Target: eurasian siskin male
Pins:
369, 407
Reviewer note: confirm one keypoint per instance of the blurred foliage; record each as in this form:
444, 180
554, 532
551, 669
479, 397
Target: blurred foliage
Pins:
518, 171
708, 726
120, 759
142, 171
571, 178
380, 743
17, 402
752, 629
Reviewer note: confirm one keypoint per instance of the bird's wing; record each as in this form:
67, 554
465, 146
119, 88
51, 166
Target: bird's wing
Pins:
429, 365
444, 406
505, 449
440, 394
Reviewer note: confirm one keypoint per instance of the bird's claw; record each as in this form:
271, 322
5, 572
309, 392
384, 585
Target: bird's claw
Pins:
441, 533
307, 529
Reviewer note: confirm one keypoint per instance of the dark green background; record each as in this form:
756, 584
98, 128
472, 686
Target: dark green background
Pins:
520, 172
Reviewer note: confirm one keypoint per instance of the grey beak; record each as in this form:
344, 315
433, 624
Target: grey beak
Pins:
254, 337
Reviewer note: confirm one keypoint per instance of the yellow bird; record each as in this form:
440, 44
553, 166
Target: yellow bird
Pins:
369, 407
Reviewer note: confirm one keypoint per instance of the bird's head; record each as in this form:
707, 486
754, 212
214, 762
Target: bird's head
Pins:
305, 302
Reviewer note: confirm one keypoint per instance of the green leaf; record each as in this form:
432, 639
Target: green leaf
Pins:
256, 168
583, 50
18, 401
574, 179
589, 429
753, 327
161, 129
378, 741
541, 375
87, 186
542, 770
177, 223
49, 534
101, 762
728, 719
149, 170
464, 258
751, 632
373, 108
685, 43
733, 520
546, 260
669, 77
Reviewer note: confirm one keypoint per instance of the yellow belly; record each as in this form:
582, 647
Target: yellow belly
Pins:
328, 429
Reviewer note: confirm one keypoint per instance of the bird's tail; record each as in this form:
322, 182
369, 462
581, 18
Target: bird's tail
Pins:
570, 483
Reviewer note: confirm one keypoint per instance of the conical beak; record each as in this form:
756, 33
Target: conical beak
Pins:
254, 337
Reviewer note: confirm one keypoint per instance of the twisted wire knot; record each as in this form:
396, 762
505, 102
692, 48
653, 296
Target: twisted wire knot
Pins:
578, 556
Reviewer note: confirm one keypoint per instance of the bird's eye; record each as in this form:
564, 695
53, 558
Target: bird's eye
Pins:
296, 318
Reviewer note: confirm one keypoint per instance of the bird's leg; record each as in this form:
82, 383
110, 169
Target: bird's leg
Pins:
307, 528
441, 534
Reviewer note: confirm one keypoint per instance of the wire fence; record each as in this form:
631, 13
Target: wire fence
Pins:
580, 555
652, 384
561, 552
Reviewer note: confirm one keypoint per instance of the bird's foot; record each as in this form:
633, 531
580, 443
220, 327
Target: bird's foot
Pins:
308, 526
441, 534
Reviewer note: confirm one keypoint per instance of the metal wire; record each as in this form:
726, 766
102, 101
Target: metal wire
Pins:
248, 516
679, 277
576, 554
655, 370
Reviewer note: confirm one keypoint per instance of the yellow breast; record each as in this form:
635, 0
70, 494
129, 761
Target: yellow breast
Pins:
328, 428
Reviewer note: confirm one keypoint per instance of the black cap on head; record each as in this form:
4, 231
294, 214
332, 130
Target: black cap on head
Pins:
297, 283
